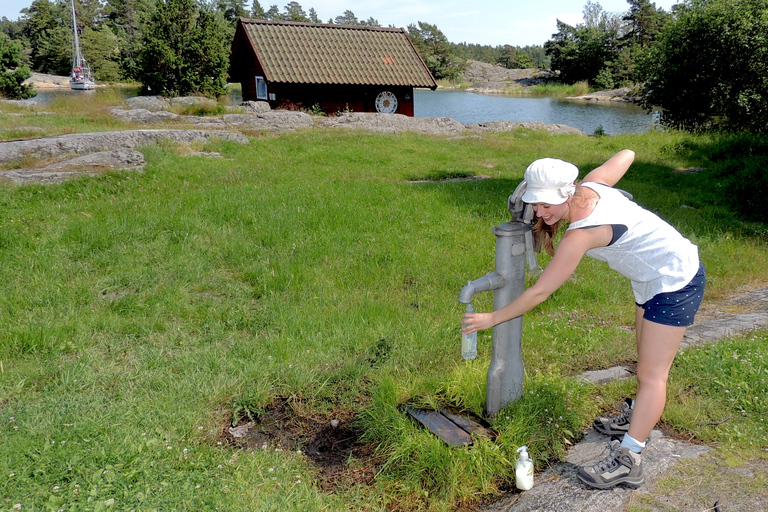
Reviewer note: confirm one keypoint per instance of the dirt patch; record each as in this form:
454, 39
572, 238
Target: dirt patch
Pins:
332, 442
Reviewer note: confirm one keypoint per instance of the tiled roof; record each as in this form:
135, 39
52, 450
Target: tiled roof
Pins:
336, 54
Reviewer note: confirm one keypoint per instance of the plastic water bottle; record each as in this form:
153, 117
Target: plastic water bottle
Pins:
469, 341
524, 470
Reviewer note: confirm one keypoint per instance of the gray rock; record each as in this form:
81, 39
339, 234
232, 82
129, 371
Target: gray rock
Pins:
91, 164
153, 103
273, 121
394, 123
256, 106
558, 490
193, 101
509, 126
84, 143
143, 115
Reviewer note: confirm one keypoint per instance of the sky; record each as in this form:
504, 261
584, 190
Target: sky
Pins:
483, 22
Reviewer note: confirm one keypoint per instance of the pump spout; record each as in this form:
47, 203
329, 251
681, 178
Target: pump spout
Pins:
492, 281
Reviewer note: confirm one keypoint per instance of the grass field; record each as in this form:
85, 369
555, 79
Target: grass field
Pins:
311, 279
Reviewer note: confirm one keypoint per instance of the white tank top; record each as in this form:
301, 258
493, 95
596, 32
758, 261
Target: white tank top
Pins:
653, 255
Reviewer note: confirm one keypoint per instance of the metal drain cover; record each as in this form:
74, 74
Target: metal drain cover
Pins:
453, 428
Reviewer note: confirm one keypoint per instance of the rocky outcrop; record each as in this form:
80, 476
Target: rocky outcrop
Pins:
85, 143
93, 153
394, 123
156, 103
269, 120
508, 126
491, 79
623, 95
45, 81
92, 164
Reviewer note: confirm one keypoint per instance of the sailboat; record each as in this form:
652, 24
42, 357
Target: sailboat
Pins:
80, 79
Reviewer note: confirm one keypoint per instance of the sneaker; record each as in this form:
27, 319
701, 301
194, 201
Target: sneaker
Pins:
617, 425
621, 466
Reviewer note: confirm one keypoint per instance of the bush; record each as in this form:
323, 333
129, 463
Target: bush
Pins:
740, 164
11, 75
708, 69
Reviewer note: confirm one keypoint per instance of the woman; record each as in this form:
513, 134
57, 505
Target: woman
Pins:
663, 267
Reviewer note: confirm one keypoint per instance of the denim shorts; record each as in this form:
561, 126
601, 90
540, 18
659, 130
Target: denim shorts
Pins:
678, 308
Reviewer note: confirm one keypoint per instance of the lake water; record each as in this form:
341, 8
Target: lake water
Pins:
468, 108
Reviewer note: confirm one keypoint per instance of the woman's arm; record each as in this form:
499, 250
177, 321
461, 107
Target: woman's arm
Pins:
612, 170
570, 250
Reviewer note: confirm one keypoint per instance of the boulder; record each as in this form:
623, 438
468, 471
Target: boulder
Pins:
256, 107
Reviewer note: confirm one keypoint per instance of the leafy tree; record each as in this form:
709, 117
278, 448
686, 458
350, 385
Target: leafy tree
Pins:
126, 19
184, 51
48, 27
580, 53
512, 58
436, 51
313, 17
709, 67
12, 74
102, 53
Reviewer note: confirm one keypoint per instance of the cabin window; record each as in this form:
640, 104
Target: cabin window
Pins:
261, 88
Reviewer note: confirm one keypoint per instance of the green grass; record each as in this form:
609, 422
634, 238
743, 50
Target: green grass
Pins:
144, 313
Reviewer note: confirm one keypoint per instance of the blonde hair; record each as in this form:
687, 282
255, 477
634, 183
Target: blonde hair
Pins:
544, 235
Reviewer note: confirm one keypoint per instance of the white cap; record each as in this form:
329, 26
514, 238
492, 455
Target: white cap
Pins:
550, 181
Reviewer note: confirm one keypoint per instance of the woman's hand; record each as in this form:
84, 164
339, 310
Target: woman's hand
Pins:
473, 322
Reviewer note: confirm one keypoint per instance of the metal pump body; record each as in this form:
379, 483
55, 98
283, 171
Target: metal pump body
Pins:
514, 245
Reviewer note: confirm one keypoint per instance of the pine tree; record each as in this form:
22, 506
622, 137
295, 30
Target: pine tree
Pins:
184, 52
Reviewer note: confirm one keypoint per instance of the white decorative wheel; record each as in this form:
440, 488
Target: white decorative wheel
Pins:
386, 103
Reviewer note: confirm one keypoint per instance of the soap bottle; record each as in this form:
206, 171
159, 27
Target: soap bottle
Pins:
524, 470
469, 341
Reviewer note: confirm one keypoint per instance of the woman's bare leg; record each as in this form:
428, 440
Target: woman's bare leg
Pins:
657, 346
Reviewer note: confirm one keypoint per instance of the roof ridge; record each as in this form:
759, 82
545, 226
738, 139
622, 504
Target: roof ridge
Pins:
258, 21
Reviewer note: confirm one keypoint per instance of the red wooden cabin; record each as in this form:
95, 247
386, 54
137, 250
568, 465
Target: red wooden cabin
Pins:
334, 67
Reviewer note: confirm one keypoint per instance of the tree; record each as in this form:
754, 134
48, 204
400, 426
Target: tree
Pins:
101, 48
48, 27
233, 10
709, 67
273, 14
437, 52
295, 12
12, 75
257, 11
645, 21
580, 53
126, 20
348, 18
184, 51
513, 58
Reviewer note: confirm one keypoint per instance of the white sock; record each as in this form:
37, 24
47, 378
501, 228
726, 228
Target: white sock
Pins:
632, 444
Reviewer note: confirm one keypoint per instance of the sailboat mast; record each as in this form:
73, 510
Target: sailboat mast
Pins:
76, 40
